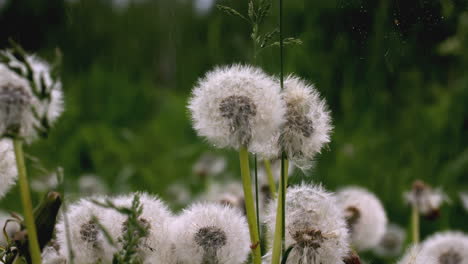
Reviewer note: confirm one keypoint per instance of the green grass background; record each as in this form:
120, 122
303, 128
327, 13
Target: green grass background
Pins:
393, 72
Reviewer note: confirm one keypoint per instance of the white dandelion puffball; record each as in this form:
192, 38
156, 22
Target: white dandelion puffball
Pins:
308, 122
447, 247
391, 243
156, 217
88, 243
414, 256
11, 227
315, 226
211, 233
365, 215
234, 106
8, 170
426, 199
26, 111
51, 256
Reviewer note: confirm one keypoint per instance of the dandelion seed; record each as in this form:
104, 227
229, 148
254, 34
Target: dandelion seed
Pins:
308, 122
238, 106
315, 226
447, 247
427, 200
211, 233
391, 243
8, 170
365, 216
26, 112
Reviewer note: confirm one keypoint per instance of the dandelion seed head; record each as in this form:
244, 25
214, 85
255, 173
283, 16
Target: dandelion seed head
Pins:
414, 255
228, 193
365, 216
308, 123
391, 243
464, 200
211, 233
8, 170
426, 199
238, 105
315, 226
88, 242
209, 165
449, 247
155, 218
26, 109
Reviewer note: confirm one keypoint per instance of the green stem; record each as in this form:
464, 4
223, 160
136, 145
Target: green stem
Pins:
278, 240
257, 211
270, 178
415, 224
27, 204
249, 204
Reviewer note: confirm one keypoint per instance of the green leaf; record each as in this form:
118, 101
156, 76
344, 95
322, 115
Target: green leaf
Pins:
231, 11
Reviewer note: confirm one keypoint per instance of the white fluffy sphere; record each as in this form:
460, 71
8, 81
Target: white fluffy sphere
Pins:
365, 215
211, 233
308, 122
234, 106
315, 226
448, 247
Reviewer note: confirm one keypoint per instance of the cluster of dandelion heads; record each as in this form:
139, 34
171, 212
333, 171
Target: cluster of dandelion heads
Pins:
446, 248
211, 233
31, 98
392, 241
308, 123
155, 219
315, 226
88, 243
365, 216
8, 170
236, 106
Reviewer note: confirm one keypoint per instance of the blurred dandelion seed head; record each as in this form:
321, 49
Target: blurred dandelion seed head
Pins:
8, 170
391, 243
448, 247
426, 199
365, 215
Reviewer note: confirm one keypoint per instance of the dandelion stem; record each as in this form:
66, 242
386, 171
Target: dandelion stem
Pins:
27, 204
271, 179
249, 204
257, 211
415, 224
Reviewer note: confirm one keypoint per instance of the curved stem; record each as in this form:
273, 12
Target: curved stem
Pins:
249, 205
27, 204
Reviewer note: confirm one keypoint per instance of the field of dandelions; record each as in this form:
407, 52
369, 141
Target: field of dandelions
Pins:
233, 132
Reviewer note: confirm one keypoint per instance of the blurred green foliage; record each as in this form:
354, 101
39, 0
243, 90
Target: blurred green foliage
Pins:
393, 72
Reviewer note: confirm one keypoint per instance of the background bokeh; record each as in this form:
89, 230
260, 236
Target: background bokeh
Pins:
393, 72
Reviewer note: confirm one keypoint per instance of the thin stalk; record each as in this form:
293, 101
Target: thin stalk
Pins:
270, 178
27, 204
249, 204
257, 211
415, 224
278, 241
